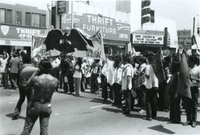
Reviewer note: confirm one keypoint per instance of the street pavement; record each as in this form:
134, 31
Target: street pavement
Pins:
89, 115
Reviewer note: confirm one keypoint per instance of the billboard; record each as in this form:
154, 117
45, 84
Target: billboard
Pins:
148, 37
184, 38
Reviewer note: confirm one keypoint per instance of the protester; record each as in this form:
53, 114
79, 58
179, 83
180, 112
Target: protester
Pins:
83, 71
24, 91
139, 84
127, 75
95, 69
110, 78
1, 57
69, 74
192, 103
107, 78
87, 74
163, 91
4, 69
14, 70
43, 85
118, 67
63, 69
175, 98
77, 76
151, 85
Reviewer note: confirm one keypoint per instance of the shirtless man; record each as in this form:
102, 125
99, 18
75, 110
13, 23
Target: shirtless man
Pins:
43, 86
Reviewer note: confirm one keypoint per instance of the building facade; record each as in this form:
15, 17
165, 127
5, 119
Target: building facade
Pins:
18, 23
115, 25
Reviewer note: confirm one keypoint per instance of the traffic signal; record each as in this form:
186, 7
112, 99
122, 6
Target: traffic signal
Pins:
198, 32
53, 16
145, 11
146, 3
145, 19
152, 16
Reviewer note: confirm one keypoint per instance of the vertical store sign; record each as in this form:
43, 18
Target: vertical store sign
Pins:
62, 7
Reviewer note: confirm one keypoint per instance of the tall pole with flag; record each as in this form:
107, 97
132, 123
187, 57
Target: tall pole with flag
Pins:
183, 79
102, 44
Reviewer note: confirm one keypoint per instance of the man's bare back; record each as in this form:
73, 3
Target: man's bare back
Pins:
43, 87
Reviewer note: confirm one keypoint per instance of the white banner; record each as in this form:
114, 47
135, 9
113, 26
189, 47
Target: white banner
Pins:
96, 51
38, 48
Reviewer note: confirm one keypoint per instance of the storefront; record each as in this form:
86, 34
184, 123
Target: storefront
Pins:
116, 34
16, 38
149, 40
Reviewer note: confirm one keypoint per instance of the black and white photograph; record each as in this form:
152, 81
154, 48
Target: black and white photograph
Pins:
99, 67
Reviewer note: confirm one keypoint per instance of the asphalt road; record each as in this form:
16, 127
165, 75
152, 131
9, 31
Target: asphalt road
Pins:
88, 115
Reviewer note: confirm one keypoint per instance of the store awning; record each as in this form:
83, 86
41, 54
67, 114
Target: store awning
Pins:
15, 42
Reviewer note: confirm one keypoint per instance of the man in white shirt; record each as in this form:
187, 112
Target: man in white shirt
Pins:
191, 104
151, 84
127, 75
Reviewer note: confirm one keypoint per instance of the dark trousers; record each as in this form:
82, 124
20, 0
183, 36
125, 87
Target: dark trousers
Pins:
174, 113
111, 93
191, 105
35, 110
142, 97
87, 82
62, 76
83, 83
104, 87
163, 100
118, 96
23, 92
127, 96
63, 84
5, 79
71, 83
13, 80
151, 102
94, 83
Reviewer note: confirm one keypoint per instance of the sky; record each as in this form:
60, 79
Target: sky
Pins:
182, 11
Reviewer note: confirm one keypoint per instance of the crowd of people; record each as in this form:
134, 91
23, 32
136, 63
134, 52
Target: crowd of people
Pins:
120, 78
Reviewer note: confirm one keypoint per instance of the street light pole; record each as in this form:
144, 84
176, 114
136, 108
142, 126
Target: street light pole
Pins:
193, 25
72, 12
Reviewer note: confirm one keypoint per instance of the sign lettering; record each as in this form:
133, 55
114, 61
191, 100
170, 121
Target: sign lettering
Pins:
184, 38
19, 32
91, 23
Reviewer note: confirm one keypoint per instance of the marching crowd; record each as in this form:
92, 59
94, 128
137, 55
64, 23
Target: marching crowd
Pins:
129, 78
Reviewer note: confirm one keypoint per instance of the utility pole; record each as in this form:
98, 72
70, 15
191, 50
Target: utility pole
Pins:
72, 17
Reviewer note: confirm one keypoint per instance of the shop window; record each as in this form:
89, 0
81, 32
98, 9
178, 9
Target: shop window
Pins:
9, 16
2, 15
43, 20
118, 49
35, 20
106, 50
28, 19
18, 17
